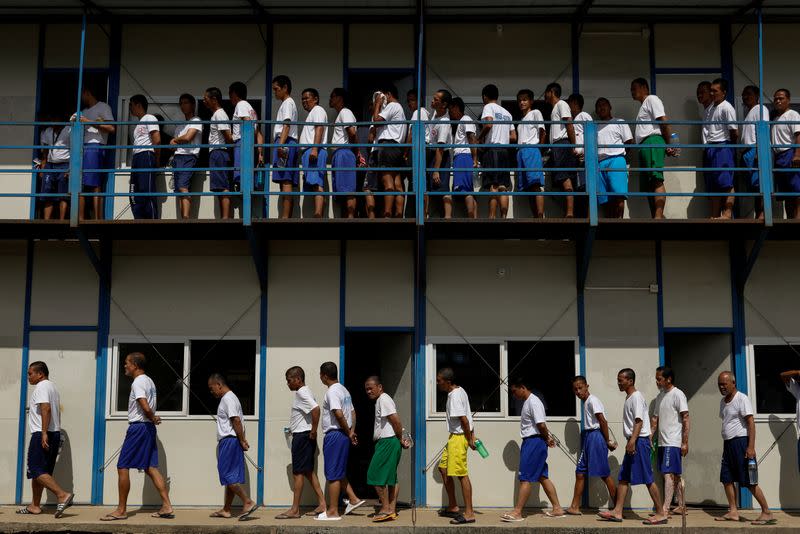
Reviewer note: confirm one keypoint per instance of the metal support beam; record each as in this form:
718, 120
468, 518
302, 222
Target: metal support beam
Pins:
101, 369
418, 151
23, 384
583, 256
259, 252
754, 252
76, 139
418, 479
86, 245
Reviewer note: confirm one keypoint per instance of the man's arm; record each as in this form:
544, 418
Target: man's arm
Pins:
751, 437
684, 433
314, 423
485, 128
601, 418
318, 132
467, 431
228, 136
352, 138
397, 425
786, 376
546, 435
350, 431
472, 139
148, 413
155, 138
734, 135
107, 128
44, 407
796, 158
653, 426
260, 141
186, 138
437, 163
236, 423
630, 448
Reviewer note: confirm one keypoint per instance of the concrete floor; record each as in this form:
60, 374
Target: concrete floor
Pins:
80, 519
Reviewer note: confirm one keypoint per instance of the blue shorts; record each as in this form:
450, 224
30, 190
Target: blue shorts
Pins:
220, 180
279, 176
139, 450
533, 459
335, 451
670, 460
303, 451
55, 180
636, 468
230, 461
40, 461
529, 157
719, 155
593, 460
183, 179
463, 173
613, 178
786, 182
314, 174
750, 159
344, 181
444, 172
734, 462
93, 158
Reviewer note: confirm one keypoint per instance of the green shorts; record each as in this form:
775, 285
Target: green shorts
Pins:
383, 467
652, 158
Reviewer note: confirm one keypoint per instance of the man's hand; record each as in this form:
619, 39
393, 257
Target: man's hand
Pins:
630, 447
261, 157
551, 442
173, 141
684, 449
312, 158
671, 152
475, 164
750, 453
283, 152
612, 445
156, 420
244, 444
45, 442
353, 438
472, 443
312, 435
796, 160
436, 179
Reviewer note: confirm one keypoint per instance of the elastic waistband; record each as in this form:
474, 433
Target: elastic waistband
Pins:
737, 438
612, 156
301, 433
228, 437
718, 143
535, 436
588, 430
290, 138
140, 423
388, 141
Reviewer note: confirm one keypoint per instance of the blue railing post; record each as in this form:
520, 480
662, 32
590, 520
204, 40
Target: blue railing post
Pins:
591, 164
764, 153
75, 170
247, 170
418, 151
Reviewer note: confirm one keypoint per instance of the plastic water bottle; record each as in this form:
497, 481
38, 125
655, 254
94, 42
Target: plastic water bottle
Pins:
407, 439
481, 448
752, 471
675, 139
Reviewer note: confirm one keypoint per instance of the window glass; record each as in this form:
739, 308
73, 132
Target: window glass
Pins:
233, 359
164, 367
548, 367
770, 361
476, 376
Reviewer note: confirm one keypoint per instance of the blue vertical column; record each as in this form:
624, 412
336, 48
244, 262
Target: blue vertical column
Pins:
101, 371
262, 394
23, 384
114, 68
419, 480
76, 139
592, 168
247, 170
660, 303
342, 305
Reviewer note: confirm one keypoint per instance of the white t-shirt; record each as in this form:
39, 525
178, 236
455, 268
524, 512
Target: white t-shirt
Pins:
528, 128
500, 133
336, 398
384, 407
91, 134
532, 414
635, 408
561, 112
668, 408
465, 127
215, 136
229, 406
579, 121
734, 415
143, 387
425, 117
652, 108
242, 112
457, 406
793, 387
317, 114
719, 133
44, 392
613, 133
591, 407
49, 138
141, 133
442, 132
756, 113
340, 136
393, 112
783, 134
196, 139
302, 406
286, 112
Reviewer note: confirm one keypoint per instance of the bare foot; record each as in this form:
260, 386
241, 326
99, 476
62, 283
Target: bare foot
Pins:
221, 513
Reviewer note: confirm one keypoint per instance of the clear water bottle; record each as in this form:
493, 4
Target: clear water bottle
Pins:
675, 139
752, 471
407, 440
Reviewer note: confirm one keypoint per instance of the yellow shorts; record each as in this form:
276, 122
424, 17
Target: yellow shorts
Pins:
454, 457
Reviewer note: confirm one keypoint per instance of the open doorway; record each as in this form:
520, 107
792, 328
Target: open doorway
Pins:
697, 359
388, 355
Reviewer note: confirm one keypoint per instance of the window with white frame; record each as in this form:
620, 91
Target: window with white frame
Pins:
769, 361
180, 369
548, 365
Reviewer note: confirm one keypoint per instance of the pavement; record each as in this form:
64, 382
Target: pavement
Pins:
86, 519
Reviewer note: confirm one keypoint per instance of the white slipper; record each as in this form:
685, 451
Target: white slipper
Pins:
511, 519
548, 513
324, 517
350, 507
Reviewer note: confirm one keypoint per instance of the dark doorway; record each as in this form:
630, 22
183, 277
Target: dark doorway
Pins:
59, 91
388, 355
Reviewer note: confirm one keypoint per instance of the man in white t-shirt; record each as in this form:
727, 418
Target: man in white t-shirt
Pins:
243, 111
579, 120
792, 381
465, 158
344, 160
94, 157
387, 109
496, 129
612, 184
720, 129
562, 132
284, 154
738, 449
438, 157
145, 135
389, 445
219, 158
786, 131
185, 159
536, 439
314, 158
652, 139
140, 448
453, 463
44, 424
339, 428
754, 112
636, 467
530, 133
231, 447
669, 420
55, 164
421, 113
303, 422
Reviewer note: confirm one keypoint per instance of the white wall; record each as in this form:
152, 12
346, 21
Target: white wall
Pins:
64, 288
381, 46
63, 46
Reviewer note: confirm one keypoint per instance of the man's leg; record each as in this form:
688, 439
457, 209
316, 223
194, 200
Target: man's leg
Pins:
185, 202
659, 202
238, 491
503, 201
347, 488
399, 199
612, 488
47, 211
577, 494
369, 205
225, 206
472, 207
525, 489
730, 494
123, 488
297, 493
81, 207
161, 487
652, 488
383, 498
312, 477
319, 202
97, 202
287, 201
493, 201
334, 487
63, 205
450, 488
387, 179
350, 207
762, 501
393, 492
447, 201
569, 200
552, 495
466, 490
622, 492
36, 497
48, 482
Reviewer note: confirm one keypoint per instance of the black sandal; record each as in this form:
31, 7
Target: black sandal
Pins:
461, 520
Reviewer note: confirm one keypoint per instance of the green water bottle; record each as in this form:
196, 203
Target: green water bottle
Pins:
481, 449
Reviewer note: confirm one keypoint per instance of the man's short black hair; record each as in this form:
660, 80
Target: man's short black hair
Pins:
782, 90
519, 381
40, 367
666, 372
375, 379
215, 94
641, 82
579, 378
140, 100
390, 88
704, 83
312, 91
723, 84
602, 99
283, 81
628, 373
239, 89
752, 89
218, 378
412, 92
296, 371
458, 102
138, 359
490, 91
555, 88
447, 374
525, 92
187, 96
340, 91
577, 98
447, 97
329, 370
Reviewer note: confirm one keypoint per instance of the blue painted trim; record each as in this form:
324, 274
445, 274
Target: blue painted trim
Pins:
262, 396
660, 303
76, 139
726, 59
36, 133
688, 70
697, 330
342, 305
418, 165
764, 152
101, 370
23, 383
575, 49
268, 74
581, 311
247, 170
651, 54
62, 328
583, 256
592, 164
418, 383
387, 329
114, 73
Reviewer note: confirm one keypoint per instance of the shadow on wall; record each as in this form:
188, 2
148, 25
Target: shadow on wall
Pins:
789, 452
149, 494
308, 498
64, 471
